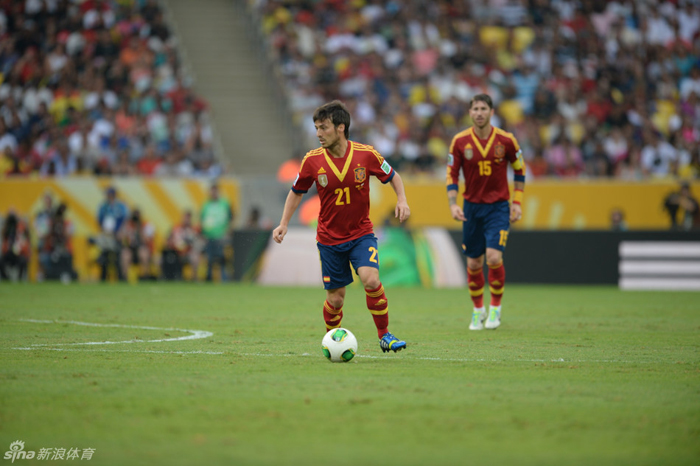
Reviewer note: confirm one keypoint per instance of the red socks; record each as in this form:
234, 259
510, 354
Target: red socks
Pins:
497, 281
476, 281
379, 308
332, 316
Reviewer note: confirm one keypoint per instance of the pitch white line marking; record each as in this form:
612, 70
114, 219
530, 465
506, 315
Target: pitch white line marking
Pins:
196, 334
115, 351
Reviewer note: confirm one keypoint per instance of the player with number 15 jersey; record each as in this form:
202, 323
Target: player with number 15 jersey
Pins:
482, 154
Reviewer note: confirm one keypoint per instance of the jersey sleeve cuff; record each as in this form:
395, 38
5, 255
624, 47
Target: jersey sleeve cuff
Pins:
299, 191
390, 177
453, 187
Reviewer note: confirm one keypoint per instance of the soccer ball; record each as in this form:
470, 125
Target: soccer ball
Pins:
339, 345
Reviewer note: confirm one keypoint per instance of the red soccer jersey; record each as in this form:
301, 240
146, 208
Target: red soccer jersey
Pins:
343, 188
484, 165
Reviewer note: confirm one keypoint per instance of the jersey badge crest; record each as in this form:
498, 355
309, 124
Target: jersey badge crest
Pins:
500, 150
323, 180
468, 152
360, 175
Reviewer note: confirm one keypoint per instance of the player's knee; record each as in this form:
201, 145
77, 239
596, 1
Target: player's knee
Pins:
372, 283
493, 259
336, 301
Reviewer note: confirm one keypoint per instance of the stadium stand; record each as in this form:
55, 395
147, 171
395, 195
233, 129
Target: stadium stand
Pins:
590, 88
97, 87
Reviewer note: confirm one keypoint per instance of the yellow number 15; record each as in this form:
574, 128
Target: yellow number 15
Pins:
484, 167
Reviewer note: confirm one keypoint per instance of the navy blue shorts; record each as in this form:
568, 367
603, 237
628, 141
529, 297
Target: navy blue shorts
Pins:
487, 226
336, 260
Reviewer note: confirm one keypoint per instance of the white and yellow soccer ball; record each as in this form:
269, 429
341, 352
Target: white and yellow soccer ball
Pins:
339, 345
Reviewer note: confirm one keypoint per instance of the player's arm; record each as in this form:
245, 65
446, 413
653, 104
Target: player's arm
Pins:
453, 166
455, 209
290, 206
516, 210
402, 211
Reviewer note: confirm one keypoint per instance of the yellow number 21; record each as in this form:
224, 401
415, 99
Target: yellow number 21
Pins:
339, 192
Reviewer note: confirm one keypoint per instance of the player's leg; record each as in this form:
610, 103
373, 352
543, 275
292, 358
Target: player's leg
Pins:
365, 258
473, 246
333, 307
497, 227
336, 272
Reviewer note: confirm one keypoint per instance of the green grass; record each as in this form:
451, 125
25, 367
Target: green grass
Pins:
574, 376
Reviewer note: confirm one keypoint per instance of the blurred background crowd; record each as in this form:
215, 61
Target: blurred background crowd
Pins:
590, 88
96, 87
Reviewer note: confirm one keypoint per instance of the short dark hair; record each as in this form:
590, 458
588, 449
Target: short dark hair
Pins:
335, 111
481, 98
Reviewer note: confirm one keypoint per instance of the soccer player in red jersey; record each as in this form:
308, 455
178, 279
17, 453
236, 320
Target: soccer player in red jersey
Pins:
482, 153
341, 169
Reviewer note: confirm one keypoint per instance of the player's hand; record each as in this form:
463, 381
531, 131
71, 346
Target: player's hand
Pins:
516, 212
279, 233
402, 211
457, 213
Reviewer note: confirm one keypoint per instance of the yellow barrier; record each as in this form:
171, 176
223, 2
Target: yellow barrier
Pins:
548, 205
161, 202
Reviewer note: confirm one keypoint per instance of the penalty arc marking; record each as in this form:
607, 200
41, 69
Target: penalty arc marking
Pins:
196, 334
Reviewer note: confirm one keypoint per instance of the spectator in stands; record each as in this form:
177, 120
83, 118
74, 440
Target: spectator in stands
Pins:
42, 229
617, 220
69, 69
657, 155
683, 209
216, 219
59, 248
136, 237
600, 65
183, 247
14, 248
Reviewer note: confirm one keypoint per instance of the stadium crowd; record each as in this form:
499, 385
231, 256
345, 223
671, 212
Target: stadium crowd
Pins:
96, 87
590, 88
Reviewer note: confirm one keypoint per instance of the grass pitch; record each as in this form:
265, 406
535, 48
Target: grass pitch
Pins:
574, 376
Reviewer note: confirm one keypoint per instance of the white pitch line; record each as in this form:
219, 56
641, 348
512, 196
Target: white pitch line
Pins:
196, 334
43, 348
366, 356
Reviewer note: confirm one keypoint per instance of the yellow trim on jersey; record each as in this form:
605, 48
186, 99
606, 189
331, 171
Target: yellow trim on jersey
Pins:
346, 167
459, 135
484, 151
311, 153
371, 149
509, 136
